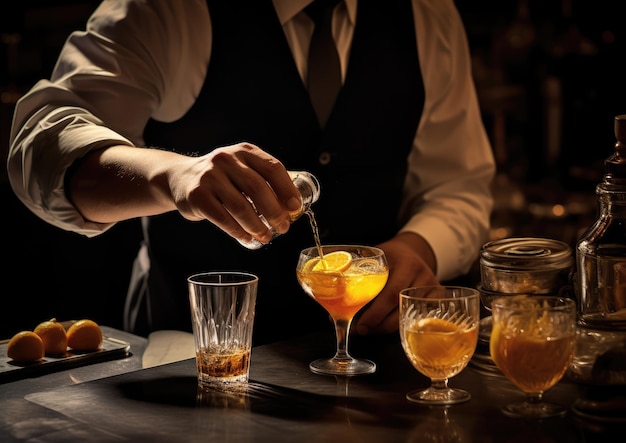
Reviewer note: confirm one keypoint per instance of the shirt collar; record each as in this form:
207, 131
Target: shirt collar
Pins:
287, 9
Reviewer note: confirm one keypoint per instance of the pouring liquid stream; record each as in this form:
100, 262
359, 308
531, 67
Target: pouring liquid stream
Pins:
316, 232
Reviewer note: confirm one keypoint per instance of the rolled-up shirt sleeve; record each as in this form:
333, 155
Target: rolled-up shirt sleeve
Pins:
108, 81
37, 170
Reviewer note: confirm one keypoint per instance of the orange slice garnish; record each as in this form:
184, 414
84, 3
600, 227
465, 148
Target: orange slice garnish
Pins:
337, 261
431, 324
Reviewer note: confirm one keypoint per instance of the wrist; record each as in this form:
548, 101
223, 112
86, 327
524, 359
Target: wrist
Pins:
419, 245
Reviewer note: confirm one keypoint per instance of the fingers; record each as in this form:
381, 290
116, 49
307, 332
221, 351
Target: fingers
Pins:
380, 316
275, 175
239, 188
260, 195
217, 200
406, 269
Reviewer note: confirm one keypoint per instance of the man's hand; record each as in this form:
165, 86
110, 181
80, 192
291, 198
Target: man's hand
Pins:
123, 182
411, 263
230, 186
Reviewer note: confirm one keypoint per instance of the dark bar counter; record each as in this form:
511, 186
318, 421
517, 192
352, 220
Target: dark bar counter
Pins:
285, 402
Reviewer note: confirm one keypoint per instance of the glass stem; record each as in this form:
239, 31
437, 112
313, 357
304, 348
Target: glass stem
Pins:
341, 328
439, 384
534, 398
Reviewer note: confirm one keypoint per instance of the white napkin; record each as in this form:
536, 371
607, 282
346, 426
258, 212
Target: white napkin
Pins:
168, 346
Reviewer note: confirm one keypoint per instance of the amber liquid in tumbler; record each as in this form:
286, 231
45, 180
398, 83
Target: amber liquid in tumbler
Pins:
223, 364
438, 348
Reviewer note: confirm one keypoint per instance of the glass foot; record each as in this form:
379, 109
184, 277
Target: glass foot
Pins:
332, 366
432, 396
533, 410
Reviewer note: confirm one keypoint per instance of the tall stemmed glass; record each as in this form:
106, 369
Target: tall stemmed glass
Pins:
342, 279
532, 343
439, 333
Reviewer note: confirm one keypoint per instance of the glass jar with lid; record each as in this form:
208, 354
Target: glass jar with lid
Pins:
525, 265
520, 265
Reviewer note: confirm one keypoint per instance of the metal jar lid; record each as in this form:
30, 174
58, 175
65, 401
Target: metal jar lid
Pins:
525, 265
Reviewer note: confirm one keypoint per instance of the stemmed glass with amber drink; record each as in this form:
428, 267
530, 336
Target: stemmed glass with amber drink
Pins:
342, 279
439, 334
532, 343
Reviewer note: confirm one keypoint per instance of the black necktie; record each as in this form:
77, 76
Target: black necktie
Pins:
324, 79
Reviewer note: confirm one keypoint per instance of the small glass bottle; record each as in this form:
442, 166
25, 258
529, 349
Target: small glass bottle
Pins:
600, 354
309, 189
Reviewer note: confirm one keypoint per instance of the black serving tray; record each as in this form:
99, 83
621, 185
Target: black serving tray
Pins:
11, 370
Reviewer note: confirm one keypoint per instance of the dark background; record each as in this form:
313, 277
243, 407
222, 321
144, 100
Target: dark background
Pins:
548, 75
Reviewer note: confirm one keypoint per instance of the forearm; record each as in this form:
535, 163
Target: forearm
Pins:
121, 182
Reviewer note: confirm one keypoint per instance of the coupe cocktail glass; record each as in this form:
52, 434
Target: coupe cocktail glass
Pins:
342, 279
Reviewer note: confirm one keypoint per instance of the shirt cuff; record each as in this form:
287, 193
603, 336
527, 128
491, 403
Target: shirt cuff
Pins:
450, 253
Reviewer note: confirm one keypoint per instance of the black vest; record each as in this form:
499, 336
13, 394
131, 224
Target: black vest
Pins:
253, 93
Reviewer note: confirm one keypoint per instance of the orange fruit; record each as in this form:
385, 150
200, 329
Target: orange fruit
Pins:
433, 324
84, 335
25, 346
337, 261
53, 335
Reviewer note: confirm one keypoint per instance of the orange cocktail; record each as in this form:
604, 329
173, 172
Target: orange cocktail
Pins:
439, 333
342, 279
533, 356
342, 284
532, 343
439, 348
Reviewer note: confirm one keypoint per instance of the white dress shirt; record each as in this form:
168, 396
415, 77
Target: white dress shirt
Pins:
127, 68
